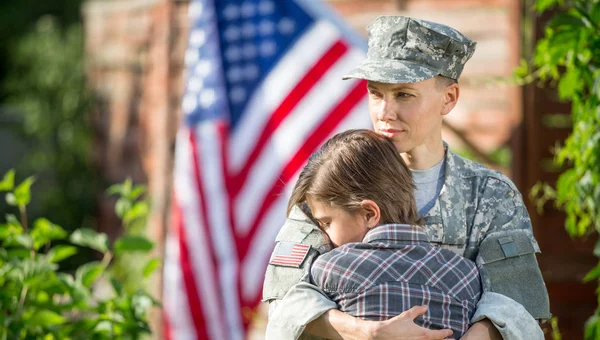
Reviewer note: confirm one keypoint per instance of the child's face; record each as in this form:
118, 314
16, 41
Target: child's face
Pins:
341, 226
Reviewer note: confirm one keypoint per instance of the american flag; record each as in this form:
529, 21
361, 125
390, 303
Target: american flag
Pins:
263, 92
289, 254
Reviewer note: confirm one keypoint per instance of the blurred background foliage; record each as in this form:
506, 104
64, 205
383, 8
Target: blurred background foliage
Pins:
568, 57
44, 107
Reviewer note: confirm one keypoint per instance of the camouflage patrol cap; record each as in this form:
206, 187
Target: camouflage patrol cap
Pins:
407, 50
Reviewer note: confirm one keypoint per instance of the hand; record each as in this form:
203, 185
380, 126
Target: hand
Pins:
482, 330
403, 327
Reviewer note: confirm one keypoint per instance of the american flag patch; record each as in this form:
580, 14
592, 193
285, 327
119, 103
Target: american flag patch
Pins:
289, 254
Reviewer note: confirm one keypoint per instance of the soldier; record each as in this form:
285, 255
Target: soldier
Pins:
412, 68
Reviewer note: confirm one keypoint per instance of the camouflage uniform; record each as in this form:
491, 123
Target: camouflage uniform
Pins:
479, 213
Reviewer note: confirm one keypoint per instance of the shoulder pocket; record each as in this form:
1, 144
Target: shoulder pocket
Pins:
280, 278
508, 266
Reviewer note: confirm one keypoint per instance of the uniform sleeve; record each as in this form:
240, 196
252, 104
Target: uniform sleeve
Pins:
507, 248
511, 319
289, 316
293, 301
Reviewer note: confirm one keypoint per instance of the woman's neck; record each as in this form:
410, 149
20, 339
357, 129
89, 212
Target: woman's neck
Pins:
424, 157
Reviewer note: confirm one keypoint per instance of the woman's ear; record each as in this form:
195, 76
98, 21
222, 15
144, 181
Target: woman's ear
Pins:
371, 213
451, 94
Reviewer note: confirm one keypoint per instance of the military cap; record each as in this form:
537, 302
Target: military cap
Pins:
408, 50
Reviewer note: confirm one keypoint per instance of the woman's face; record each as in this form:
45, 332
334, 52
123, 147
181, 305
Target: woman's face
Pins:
340, 225
409, 114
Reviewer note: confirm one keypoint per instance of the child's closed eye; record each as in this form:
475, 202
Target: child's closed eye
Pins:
324, 225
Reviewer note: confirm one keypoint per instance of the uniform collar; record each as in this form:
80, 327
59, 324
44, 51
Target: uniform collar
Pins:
397, 233
449, 209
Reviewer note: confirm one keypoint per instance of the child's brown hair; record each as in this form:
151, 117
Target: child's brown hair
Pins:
358, 165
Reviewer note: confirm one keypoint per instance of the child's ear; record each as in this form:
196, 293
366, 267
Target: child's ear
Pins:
371, 213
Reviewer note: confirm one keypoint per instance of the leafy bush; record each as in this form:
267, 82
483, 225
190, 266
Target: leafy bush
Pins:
569, 55
133, 211
38, 301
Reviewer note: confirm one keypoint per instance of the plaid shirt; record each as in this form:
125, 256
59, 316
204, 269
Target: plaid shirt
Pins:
396, 268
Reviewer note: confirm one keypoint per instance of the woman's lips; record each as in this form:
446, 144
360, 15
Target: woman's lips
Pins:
390, 132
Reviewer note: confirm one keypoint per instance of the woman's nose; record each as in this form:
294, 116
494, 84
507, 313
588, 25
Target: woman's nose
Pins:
386, 112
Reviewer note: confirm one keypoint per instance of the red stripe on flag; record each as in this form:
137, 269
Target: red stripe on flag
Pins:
335, 52
286, 263
312, 142
188, 275
291, 257
205, 222
166, 326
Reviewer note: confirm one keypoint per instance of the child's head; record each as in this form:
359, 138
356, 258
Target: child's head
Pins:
356, 181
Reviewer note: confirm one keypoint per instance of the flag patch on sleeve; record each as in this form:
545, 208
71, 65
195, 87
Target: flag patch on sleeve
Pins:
289, 254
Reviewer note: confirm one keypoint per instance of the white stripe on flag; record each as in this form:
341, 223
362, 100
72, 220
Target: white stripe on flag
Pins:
210, 153
357, 119
262, 244
276, 86
290, 136
261, 247
189, 201
175, 299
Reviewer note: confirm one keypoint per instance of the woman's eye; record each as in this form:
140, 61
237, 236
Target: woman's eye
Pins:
375, 94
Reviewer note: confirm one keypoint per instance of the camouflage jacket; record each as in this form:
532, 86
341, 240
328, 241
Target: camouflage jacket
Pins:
479, 214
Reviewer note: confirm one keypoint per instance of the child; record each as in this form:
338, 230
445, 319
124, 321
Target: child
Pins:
361, 194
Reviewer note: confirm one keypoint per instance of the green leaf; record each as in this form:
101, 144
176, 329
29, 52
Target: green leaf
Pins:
122, 206
12, 220
126, 189
61, 252
139, 210
137, 191
37, 271
11, 199
522, 70
21, 240
121, 189
8, 182
150, 267
133, 244
23, 191
103, 327
542, 5
10, 230
117, 286
89, 272
141, 303
590, 327
565, 20
66, 279
45, 231
569, 84
90, 238
115, 189
47, 318
18, 253
592, 274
